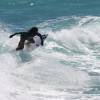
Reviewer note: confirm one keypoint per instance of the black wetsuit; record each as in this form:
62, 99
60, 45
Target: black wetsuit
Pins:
29, 36
26, 36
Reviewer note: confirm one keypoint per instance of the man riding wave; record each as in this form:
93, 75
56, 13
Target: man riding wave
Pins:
27, 36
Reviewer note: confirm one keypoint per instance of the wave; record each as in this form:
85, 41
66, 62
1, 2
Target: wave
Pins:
63, 66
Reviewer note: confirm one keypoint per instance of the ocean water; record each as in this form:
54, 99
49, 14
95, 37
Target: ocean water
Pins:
67, 67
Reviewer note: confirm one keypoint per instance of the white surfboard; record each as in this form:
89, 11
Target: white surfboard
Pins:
24, 55
37, 43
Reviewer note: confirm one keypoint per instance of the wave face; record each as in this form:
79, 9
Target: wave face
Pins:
67, 65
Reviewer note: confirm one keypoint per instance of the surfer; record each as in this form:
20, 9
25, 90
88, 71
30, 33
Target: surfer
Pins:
27, 36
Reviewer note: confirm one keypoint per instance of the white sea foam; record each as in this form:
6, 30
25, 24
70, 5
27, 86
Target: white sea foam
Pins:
57, 71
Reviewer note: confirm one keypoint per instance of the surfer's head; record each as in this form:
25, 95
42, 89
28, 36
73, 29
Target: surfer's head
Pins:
33, 29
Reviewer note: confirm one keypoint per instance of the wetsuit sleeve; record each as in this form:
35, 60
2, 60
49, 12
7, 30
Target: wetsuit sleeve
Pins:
15, 34
40, 38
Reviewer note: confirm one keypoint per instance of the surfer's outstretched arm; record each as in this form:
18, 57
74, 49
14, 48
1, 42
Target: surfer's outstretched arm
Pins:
40, 38
15, 34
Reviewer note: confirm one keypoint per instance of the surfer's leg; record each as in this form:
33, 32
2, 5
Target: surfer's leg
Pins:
30, 40
21, 44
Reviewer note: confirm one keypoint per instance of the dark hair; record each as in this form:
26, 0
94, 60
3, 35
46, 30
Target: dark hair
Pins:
33, 29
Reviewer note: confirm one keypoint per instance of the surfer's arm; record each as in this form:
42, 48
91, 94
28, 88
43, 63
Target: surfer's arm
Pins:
40, 38
15, 34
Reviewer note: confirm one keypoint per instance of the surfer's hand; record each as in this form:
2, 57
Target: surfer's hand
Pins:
10, 36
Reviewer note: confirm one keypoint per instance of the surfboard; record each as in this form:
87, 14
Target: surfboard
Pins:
25, 54
37, 43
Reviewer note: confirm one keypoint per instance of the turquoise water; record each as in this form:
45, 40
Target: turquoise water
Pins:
30, 12
67, 67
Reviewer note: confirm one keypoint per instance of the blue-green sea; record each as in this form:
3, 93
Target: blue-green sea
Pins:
67, 67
